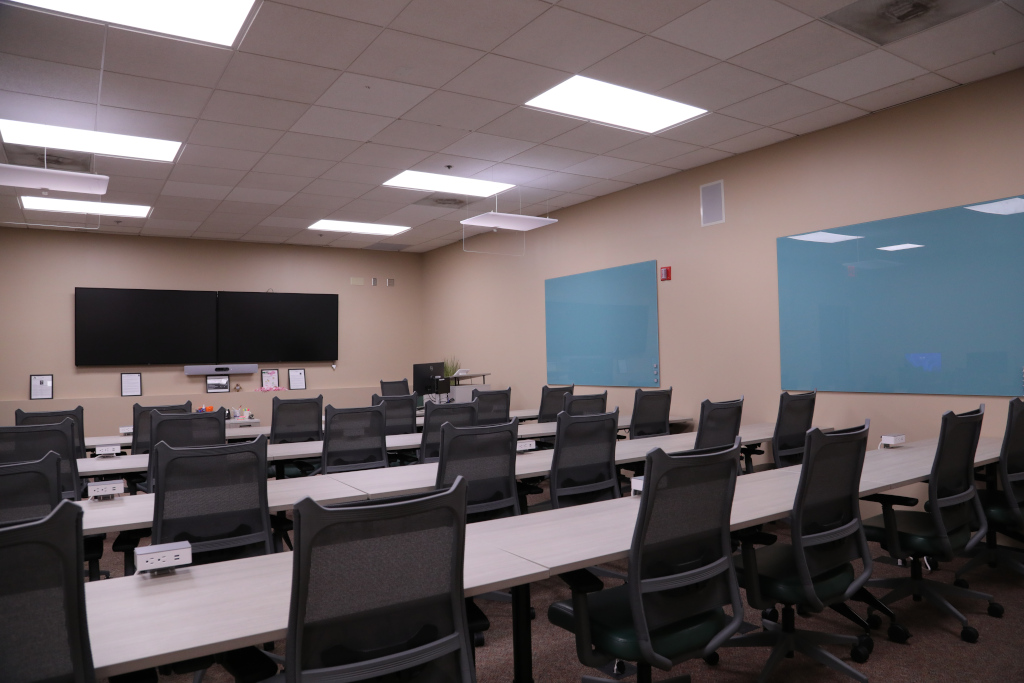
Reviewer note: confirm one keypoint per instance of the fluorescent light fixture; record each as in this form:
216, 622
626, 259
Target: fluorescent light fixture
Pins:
825, 237
91, 141
36, 178
602, 102
435, 182
509, 221
900, 247
211, 21
359, 228
91, 208
1003, 208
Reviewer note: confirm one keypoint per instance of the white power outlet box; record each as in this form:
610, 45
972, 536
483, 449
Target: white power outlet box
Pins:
636, 485
107, 451
163, 557
101, 490
125, 430
893, 440
526, 445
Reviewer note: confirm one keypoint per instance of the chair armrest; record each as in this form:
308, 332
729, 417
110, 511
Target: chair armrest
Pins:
889, 500
892, 536
582, 581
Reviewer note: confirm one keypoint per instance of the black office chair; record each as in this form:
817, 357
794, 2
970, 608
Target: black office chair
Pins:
29, 490
1003, 498
552, 402
494, 406
943, 529
359, 628
435, 415
140, 435
816, 570
55, 417
681, 573
400, 413
583, 464
216, 499
44, 600
719, 423
796, 417
296, 420
397, 388
651, 411
354, 439
585, 404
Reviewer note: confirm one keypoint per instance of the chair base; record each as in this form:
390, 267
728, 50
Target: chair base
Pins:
785, 638
643, 675
996, 556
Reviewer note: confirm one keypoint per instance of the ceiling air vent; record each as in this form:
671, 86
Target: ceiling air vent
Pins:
445, 201
24, 155
886, 21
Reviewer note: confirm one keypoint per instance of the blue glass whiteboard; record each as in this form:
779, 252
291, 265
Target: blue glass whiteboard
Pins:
942, 318
602, 327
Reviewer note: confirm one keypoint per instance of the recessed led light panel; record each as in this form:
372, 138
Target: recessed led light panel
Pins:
900, 247
359, 228
90, 208
825, 237
435, 182
91, 141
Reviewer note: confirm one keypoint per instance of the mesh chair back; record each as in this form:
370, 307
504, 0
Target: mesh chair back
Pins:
189, 430
680, 561
650, 413
583, 465
552, 402
486, 458
397, 388
55, 417
951, 492
494, 406
377, 589
215, 498
354, 439
42, 600
29, 490
826, 524
399, 414
585, 404
141, 423
1011, 460
296, 420
796, 415
435, 415
719, 423
32, 442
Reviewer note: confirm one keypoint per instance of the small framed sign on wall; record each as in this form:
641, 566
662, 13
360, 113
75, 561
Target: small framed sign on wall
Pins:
40, 387
217, 384
131, 384
297, 379
270, 379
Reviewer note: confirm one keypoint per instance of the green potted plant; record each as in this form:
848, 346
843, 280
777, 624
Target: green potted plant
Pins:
451, 366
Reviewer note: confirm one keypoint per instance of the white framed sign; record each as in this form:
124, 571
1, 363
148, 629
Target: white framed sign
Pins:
218, 384
297, 379
270, 379
131, 384
40, 387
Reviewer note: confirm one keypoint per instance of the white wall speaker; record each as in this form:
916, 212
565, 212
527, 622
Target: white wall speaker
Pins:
712, 203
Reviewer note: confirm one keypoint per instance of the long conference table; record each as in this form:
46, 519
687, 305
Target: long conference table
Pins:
213, 608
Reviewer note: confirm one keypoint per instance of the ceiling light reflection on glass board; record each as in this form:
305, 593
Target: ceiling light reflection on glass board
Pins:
825, 237
358, 228
91, 141
90, 208
614, 105
1004, 207
435, 182
900, 247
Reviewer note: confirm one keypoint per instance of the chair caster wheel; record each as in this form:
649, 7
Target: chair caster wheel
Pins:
771, 614
859, 654
961, 583
478, 640
712, 659
969, 634
874, 621
995, 610
867, 642
898, 633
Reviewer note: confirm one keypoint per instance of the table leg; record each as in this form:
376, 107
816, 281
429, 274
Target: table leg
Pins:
522, 646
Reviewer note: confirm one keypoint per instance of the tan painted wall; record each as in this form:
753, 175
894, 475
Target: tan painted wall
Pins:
719, 314
379, 326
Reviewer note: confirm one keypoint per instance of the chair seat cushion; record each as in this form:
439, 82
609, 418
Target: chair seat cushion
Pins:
780, 582
612, 632
997, 509
918, 534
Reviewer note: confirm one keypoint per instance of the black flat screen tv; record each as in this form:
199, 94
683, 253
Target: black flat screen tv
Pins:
268, 327
144, 327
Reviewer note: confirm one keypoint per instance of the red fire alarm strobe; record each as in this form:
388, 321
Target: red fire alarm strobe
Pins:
666, 273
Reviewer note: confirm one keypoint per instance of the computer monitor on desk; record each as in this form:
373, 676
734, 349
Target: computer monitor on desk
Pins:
425, 379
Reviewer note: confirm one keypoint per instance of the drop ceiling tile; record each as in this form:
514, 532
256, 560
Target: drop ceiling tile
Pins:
41, 35
234, 136
530, 195
294, 166
425, 246
265, 238
48, 79
781, 104
413, 59
510, 173
649, 64
273, 181
531, 125
376, 12
338, 188
131, 167
359, 173
861, 75
136, 198
314, 147
564, 182
987, 65
698, 158
312, 238
566, 40
651, 149
310, 214
197, 190
414, 215
177, 214
187, 227
309, 37
415, 135
802, 52
719, 86
987, 30
386, 156
277, 78
490, 147
902, 92
551, 158
318, 201
646, 174
816, 8
751, 141
147, 94
725, 28
259, 195
198, 205
505, 80
367, 207
604, 187
396, 197
640, 15
210, 229
708, 129
605, 167
823, 118
218, 157
431, 230
460, 166
169, 234
144, 123
595, 138
165, 59
288, 224
35, 109
212, 234
480, 25
231, 220
260, 211
251, 110
370, 95
129, 184
457, 111
346, 214
570, 199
